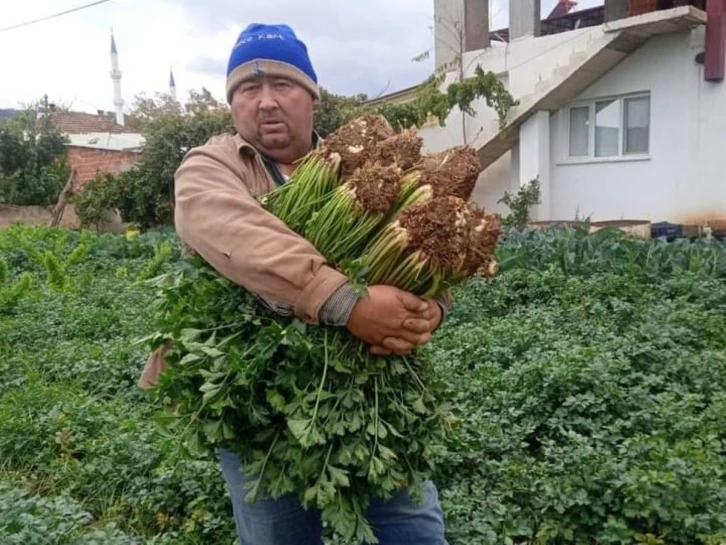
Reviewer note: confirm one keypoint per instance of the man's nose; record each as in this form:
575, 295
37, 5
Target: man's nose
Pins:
268, 101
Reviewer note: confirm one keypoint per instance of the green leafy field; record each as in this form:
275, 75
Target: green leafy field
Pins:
589, 380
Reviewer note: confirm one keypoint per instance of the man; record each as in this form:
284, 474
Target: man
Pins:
272, 90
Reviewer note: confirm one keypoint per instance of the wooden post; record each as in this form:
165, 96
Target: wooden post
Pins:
715, 40
60, 206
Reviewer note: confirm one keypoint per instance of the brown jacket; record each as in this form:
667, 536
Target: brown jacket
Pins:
217, 216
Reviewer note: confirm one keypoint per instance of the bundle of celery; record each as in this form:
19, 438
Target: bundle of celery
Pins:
307, 408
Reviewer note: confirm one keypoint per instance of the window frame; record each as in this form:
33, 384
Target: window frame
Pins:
591, 104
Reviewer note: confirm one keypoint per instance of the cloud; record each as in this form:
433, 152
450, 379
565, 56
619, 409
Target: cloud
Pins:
215, 67
356, 47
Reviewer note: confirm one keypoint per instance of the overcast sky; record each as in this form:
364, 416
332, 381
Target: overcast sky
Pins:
356, 46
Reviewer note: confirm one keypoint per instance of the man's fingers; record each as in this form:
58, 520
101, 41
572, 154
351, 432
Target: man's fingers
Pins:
398, 345
411, 336
416, 325
433, 311
428, 314
413, 303
378, 350
404, 344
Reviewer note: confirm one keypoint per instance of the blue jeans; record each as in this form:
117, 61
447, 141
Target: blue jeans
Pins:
399, 521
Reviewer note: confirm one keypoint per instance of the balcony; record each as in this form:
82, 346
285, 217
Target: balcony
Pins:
612, 10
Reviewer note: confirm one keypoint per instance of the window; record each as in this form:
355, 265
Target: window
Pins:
617, 127
579, 132
607, 128
637, 125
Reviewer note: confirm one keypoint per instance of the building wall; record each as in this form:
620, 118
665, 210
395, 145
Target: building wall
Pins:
493, 183
526, 66
89, 161
684, 179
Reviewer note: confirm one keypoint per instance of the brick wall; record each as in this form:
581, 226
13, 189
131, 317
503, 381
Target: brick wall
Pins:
638, 7
87, 162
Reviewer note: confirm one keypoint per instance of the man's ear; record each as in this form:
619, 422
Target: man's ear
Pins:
316, 104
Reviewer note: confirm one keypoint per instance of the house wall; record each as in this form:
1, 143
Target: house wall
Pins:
526, 66
684, 179
89, 161
493, 183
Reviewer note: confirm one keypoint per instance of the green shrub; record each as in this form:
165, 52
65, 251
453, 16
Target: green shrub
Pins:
589, 380
520, 204
26, 518
96, 198
144, 193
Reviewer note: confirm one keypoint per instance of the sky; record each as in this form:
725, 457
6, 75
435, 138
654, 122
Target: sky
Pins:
355, 46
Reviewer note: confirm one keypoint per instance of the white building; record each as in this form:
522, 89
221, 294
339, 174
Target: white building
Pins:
616, 120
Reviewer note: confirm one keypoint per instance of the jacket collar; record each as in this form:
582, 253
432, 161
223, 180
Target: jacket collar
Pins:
245, 147
272, 169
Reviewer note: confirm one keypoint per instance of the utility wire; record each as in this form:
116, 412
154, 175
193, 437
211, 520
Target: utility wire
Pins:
54, 15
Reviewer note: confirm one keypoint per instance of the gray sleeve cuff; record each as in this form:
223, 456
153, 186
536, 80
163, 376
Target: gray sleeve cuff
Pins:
443, 305
339, 306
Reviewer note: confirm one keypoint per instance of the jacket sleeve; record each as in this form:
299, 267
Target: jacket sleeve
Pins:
216, 215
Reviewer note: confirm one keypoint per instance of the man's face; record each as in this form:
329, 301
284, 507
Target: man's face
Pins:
275, 115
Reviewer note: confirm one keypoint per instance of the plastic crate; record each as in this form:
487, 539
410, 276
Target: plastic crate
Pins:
667, 230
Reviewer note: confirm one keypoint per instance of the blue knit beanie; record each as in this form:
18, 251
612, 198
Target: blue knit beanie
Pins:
270, 50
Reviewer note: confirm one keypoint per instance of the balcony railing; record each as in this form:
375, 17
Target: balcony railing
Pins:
596, 16
577, 19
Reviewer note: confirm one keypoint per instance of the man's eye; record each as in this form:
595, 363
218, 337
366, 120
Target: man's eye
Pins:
282, 85
249, 89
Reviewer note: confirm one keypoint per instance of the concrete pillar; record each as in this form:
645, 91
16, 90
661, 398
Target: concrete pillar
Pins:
524, 18
514, 180
616, 9
534, 160
459, 26
476, 18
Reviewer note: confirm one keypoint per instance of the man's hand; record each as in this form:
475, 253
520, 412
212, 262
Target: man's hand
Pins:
425, 323
393, 320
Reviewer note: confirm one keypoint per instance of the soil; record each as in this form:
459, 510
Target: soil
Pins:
435, 229
451, 172
483, 235
376, 187
355, 142
402, 149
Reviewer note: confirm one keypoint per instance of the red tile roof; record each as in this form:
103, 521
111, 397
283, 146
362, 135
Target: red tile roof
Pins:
79, 123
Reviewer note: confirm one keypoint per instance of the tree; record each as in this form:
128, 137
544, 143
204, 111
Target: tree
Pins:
145, 110
203, 101
336, 110
144, 194
33, 165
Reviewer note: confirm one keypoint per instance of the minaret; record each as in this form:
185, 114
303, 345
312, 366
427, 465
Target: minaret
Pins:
118, 102
172, 85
